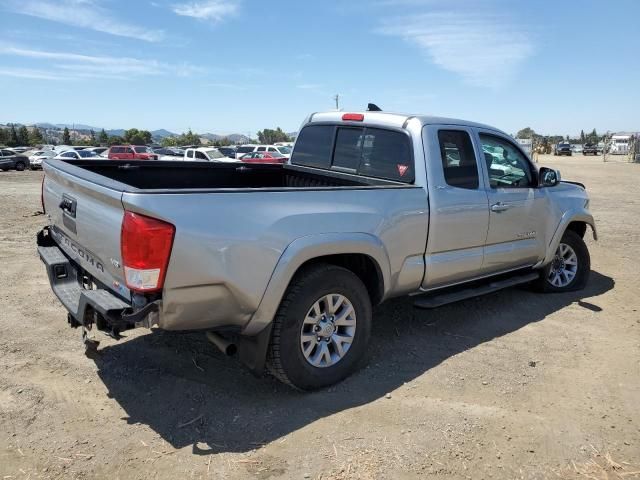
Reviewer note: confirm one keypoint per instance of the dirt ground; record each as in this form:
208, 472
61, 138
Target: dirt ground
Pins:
512, 385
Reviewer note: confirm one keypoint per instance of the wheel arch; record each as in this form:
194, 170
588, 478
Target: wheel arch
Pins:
575, 220
362, 253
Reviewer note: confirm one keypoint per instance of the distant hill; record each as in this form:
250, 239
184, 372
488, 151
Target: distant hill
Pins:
162, 133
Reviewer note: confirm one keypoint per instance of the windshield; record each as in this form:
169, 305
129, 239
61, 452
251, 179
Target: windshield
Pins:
214, 154
284, 150
142, 150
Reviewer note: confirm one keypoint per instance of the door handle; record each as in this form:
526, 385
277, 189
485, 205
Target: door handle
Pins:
500, 207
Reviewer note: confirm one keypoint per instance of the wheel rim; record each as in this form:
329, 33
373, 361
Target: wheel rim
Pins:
563, 267
328, 330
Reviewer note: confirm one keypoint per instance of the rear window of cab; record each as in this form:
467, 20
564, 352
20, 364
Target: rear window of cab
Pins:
366, 151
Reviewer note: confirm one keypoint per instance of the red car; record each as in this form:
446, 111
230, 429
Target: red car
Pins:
262, 157
131, 152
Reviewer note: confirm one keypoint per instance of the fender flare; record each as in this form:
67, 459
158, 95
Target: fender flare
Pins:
307, 248
574, 215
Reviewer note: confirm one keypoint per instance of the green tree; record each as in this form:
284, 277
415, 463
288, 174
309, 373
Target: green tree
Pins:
103, 138
66, 138
35, 137
93, 137
269, 136
169, 141
116, 140
23, 135
582, 136
4, 136
526, 133
137, 137
13, 136
189, 138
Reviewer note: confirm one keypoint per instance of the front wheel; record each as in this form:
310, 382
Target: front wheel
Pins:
569, 270
20, 166
322, 328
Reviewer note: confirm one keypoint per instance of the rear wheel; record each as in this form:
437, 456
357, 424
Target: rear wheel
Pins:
569, 270
20, 166
322, 328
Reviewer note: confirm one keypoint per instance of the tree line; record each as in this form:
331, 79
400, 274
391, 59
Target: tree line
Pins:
21, 136
529, 133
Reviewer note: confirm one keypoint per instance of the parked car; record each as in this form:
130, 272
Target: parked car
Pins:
206, 154
284, 263
262, 157
228, 151
562, 149
589, 149
11, 160
75, 155
36, 158
169, 153
97, 151
20, 150
244, 149
281, 150
131, 152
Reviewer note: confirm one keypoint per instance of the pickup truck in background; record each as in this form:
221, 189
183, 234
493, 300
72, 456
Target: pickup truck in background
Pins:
563, 149
589, 149
284, 263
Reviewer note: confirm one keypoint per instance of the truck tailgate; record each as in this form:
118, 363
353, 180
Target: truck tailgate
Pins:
86, 220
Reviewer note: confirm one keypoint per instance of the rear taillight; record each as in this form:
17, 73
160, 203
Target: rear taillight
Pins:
146, 247
42, 194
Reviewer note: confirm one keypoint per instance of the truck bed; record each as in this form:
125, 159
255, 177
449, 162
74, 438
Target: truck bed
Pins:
150, 175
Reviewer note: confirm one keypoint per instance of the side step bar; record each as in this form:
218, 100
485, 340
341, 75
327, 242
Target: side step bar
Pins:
434, 300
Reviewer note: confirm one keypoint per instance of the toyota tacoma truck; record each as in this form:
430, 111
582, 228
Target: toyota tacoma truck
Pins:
284, 263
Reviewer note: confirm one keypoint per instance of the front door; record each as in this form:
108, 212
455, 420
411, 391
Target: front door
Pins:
516, 207
459, 212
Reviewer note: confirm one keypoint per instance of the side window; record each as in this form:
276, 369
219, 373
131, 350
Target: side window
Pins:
128, 150
190, 154
506, 164
348, 150
387, 154
271, 149
261, 149
458, 159
68, 155
313, 147
201, 156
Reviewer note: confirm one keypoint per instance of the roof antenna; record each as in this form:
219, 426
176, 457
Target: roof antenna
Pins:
372, 107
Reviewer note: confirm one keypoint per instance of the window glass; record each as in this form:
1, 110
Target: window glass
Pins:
190, 154
348, 150
261, 149
128, 150
245, 149
506, 164
313, 148
386, 154
201, 156
458, 159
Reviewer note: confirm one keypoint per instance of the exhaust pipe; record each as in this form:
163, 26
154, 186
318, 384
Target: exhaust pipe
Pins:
224, 345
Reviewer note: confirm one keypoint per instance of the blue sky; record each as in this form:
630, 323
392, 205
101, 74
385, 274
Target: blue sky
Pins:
242, 65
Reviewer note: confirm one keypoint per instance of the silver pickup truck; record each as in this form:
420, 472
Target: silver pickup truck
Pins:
283, 264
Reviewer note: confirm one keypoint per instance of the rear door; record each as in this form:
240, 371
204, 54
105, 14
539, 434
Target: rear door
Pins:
515, 237
128, 153
6, 159
459, 215
86, 220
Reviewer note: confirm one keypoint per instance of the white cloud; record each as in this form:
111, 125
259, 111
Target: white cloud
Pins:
85, 14
29, 73
63, 64
486, 50
212, 10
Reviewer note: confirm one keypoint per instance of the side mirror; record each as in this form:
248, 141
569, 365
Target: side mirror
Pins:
548, 177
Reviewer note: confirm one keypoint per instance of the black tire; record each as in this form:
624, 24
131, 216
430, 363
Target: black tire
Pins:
285, 359
579, 281
20, 166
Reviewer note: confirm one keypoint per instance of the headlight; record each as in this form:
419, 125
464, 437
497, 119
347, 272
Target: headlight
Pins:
586, 203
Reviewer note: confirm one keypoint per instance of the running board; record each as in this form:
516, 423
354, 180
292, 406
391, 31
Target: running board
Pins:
434, 300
